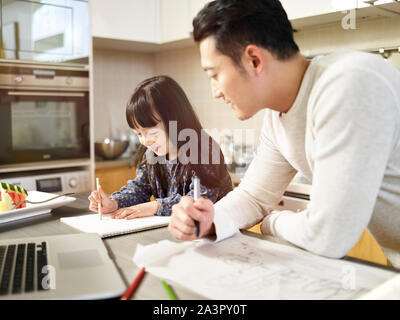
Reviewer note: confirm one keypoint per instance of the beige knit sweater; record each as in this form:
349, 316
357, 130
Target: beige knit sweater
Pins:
342, 133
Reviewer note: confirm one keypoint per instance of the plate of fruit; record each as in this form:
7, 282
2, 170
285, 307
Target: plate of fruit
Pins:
13, 207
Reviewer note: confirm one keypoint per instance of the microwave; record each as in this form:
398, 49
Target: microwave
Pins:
44, 113
45, 30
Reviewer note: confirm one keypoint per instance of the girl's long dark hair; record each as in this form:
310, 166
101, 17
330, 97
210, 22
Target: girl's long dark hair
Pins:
163, 95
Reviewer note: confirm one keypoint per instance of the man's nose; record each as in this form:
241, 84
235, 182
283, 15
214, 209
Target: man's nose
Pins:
217, 93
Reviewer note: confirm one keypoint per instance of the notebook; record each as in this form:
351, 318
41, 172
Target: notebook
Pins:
108, 227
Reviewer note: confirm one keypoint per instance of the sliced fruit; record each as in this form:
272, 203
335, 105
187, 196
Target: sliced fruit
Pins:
22, 195
6, 202
14, 193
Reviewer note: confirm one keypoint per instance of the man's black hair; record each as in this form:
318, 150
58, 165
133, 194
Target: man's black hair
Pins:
234, 24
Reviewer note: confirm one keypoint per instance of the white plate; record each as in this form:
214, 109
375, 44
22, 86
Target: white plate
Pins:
35, 209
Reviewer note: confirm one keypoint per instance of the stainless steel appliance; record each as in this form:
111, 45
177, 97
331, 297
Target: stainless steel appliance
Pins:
45, 30
296, 196
44, 113
54, 181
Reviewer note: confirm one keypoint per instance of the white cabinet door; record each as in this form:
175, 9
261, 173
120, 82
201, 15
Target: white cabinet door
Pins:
296, 9
135, 20
174, 20
364, 3
194, 7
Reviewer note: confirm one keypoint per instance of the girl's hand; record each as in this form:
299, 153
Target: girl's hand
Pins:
139, 211
107, 205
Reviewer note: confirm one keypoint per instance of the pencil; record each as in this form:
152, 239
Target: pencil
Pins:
99, 204
196, 192
167, 288
128, 293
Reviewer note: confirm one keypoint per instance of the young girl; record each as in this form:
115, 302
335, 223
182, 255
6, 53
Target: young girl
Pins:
164, 169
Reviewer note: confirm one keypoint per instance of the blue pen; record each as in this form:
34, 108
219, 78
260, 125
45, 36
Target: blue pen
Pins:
196, 187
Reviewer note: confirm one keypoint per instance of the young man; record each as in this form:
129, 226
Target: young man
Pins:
336, 120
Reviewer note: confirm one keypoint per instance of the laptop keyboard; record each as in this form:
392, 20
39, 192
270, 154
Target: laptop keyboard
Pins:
21, 267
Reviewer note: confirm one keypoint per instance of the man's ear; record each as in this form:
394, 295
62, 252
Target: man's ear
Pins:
254, 59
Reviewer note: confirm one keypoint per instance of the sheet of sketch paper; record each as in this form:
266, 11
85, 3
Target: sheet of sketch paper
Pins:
389, 290
244, 267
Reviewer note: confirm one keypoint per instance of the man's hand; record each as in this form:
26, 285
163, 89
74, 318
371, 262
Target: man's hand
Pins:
184, 214
138, 211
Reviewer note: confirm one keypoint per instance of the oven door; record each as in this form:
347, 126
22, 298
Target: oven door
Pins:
40, 126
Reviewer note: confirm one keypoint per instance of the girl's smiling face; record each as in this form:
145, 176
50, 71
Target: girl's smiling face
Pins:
154, 138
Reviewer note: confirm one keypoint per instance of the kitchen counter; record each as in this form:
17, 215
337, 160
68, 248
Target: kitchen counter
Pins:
121, 248
44, 165
121, 162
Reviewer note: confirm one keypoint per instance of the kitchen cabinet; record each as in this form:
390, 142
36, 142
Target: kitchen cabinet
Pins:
367, 249
157, 25
366, 3
174, 20
152, 21
194, 7
298, 9
113, 178
133, 20
177, 17
319, 12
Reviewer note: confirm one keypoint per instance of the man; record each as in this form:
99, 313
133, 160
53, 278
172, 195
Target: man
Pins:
336, 120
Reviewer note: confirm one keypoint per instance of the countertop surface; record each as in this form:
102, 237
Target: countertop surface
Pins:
121, 162
121, 248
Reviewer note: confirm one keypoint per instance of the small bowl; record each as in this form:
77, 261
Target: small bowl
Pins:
111, 149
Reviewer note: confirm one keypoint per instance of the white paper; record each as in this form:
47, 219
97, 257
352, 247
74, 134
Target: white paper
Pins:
107, 227
244, 267
390, 290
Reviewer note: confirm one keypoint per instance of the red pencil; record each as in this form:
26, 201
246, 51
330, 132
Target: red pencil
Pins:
128, 293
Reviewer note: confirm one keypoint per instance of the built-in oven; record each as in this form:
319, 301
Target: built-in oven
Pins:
44, 113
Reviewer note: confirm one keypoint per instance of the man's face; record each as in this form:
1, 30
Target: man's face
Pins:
228, 81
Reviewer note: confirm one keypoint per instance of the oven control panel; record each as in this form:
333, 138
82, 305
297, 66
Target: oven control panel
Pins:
62, 182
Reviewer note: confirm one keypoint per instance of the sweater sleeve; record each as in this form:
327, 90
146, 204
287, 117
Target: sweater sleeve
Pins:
261, 189
136, 191
353, 133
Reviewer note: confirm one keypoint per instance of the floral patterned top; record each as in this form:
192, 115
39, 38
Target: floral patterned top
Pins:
140, 189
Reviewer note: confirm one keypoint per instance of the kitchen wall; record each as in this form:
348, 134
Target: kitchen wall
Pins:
216, 116
116, 72
115, 75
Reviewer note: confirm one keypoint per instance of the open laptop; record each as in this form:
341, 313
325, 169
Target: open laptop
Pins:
73, 266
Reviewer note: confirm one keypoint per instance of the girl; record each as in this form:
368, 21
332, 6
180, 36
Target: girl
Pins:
164, 168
